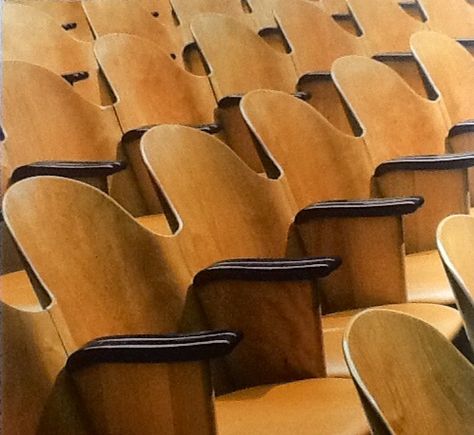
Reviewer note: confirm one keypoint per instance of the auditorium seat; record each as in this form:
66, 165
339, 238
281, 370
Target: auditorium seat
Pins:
129, 281
102, 283
410, 379
455, 239
399, 125
386, 26
321, 163
69, 15
222, 209
125, 16
30, 35
454, 19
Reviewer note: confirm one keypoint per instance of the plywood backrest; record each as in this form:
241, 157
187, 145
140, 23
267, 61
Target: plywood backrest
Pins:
227, 210
319, 161
62, 126
454, 18
455, 237
384, 23
125, 16
150, 87
64, 13
105, 273
315, 38
239, 59
186, 10
410, 376
30, 35
451, 69
161, 10
396, 121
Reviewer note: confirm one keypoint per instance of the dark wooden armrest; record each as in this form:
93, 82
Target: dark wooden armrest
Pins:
76, 76
462, 128
212, 128
268, 269
136, 133
427, 163
395, 55
303, 95
230, 100
314, 75
154, 348
69, 26
373, 207
68, 169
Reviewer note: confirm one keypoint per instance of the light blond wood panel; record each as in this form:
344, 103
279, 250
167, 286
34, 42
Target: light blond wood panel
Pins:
33, 36
163, 398
125, 16
36, 397
455, 239
115, 276
451, 69
455, 19
444, 192
315, 38
411, 379
262, 12
150, 87
37, 130
334, 6
162, 7
395, 120
464, 143
320, 162
227, 210
64, 12
386, 26
239, 60
186, 10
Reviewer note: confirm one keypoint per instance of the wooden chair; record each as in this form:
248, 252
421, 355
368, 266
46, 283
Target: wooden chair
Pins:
450, 67
386, 26
90, 341
125, 16
69, 15
398, 123
186, 10
222, 209
455, 20
455, 237
33, 36
151, 88
321, 164
410, 378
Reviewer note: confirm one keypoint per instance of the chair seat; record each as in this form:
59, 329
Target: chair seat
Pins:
426, 279
445, 319
312, 406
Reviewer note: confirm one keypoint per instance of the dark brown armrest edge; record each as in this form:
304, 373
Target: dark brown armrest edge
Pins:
462, 128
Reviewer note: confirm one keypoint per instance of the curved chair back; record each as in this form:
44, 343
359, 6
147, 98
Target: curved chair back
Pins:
455, 239
410, 378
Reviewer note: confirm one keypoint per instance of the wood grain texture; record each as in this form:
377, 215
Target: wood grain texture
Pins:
150, 87
33, 36
409, 377
455, 239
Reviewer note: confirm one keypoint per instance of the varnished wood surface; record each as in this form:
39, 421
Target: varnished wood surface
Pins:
31, 35
410, 378
150, 86
455, 239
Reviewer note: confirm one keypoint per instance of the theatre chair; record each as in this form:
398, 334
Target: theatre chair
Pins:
450, 67
322, 164
69, 15
126, 16
404, 131
411, 380
455, 19
384, 23
186, 10
222, 209
31, 35
317, 40
83, 358
455, 239
160, 10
